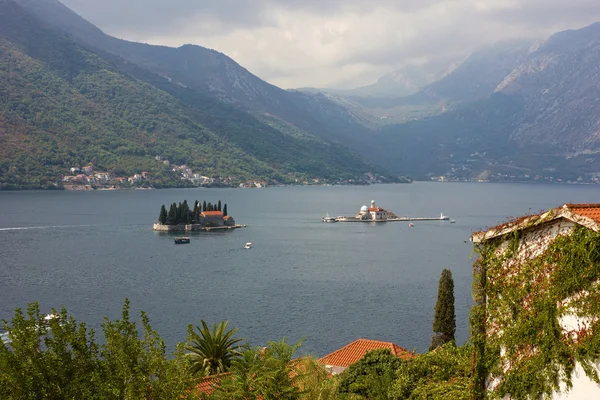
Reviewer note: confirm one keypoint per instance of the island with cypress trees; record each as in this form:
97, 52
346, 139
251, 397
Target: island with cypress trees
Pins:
203, 216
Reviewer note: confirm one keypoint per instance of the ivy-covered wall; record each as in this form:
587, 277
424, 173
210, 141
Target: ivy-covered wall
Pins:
537, 309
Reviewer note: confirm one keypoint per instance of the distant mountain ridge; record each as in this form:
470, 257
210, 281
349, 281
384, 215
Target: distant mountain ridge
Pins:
541, 121
221, 136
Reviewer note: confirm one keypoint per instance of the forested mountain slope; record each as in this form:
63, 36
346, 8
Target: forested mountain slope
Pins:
65, 104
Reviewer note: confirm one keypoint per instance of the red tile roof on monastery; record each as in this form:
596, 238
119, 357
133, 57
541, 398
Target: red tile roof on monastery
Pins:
376, 209
587, 215
227, 217
212, 213
356, 350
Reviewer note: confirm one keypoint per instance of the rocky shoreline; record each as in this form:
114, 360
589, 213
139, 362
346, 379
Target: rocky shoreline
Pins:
193, 227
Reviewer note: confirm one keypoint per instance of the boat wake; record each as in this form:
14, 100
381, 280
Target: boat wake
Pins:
22, 228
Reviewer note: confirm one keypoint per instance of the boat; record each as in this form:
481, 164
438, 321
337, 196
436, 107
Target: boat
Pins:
327, 218
411, 225
182, 240
248, 245
444, 217
452, 221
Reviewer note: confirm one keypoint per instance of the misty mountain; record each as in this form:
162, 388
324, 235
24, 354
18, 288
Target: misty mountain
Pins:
417, 92
543, 118
402, 82
213, 73
64, 104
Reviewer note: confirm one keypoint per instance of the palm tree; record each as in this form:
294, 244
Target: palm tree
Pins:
211, 352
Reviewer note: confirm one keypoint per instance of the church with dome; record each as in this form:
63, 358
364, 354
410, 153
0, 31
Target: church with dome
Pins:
372, 213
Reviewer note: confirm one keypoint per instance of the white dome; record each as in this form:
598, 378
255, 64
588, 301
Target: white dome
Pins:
364, 208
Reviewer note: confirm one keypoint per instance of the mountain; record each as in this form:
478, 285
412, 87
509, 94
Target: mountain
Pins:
65, 103
542, 119
213, 73
417, 92
404, 81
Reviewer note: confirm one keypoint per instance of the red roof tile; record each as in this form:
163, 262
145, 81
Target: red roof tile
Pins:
584, 214
227, 217
586, 210
212, 213
356, 350
208, 384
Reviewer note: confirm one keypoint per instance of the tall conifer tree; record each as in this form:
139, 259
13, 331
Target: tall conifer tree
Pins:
162, 218
444, 321
219, 206
204, 206
225, 210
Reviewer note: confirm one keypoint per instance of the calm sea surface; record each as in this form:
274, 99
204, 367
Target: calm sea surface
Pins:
330, 283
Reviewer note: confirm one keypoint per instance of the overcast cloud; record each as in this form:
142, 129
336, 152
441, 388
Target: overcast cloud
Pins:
334, 43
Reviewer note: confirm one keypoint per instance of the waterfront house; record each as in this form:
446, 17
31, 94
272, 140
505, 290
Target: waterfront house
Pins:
341, 359
88, 169
536, 321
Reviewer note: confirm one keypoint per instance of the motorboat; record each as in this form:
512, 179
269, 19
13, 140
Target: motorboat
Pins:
182, 240
248, 245
452, 221
411, 224
327, 218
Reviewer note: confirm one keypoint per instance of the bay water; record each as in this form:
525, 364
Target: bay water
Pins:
302, 278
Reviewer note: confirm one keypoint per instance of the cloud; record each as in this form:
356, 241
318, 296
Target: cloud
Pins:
334, 43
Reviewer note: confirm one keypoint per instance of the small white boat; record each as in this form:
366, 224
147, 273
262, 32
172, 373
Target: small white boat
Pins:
327, 218
248, 245
452, 221
411, 224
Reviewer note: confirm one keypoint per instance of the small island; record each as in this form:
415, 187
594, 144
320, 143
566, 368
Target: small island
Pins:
202, 217
378, 214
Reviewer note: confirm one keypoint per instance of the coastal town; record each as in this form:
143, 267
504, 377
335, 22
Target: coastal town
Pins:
90, 177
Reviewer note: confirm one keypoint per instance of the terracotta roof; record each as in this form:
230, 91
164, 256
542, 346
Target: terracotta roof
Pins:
208, 384
356, 350
376, 209
212, 213
587, 215
227, 217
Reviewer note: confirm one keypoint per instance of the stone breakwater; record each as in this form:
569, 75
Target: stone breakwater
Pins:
193, 227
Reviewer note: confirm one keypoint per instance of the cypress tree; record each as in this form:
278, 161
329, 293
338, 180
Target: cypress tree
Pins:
162, 218
210, 206
444, 321
225, 210
172, 215
204, 206
219, 206
179, 218
195, 213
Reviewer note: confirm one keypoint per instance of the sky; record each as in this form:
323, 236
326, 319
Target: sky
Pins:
334, 43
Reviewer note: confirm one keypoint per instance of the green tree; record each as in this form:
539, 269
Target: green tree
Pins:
49, 357
267, 373
204, 206
219, 206
225, 210
162, 218
211, 352
210, 206
371, 376
444, 321
172, 215
54, 357
138, 368
195, 213
443, 373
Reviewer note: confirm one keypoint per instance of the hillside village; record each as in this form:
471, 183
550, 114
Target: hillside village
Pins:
89, 177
